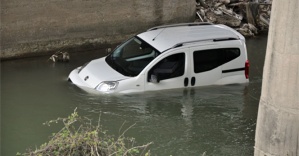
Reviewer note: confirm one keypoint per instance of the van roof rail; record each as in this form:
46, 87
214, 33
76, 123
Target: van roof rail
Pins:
180, 24
214, 40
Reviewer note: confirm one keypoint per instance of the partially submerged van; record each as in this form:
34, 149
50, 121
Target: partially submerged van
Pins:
168, 57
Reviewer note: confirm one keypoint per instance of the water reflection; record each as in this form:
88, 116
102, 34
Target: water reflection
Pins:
182, 121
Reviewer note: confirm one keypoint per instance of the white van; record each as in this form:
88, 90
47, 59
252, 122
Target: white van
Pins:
167, 57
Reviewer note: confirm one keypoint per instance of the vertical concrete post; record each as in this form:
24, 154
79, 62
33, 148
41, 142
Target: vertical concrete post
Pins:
277, 130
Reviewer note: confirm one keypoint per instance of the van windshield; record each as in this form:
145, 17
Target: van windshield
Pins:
131, 57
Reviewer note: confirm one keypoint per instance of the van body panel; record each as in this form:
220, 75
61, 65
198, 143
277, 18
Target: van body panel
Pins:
215, 75
131, 85
232, 79
166, 58
163, 39
98, 71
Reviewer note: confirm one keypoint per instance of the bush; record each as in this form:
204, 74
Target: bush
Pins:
79, 137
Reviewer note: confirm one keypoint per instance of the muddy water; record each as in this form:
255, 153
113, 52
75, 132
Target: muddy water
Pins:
218, 120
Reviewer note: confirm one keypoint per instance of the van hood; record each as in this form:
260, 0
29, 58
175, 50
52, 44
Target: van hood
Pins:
98, 71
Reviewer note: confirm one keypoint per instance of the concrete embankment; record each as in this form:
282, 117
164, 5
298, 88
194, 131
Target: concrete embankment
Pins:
39, 27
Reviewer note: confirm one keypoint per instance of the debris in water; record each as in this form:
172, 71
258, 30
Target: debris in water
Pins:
60, 57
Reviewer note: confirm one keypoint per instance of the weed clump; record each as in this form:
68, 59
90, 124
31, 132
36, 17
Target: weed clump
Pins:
79, 137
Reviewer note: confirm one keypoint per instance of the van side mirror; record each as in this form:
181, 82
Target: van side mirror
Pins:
154, 78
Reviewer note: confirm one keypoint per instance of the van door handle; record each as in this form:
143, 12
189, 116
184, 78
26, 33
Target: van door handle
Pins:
186, 81
193, 81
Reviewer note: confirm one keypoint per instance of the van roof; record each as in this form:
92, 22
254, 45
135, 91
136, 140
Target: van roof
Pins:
170, 36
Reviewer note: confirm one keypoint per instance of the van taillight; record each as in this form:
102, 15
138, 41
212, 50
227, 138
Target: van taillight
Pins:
247, 69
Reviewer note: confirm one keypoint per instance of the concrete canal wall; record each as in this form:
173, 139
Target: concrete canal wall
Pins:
35, 27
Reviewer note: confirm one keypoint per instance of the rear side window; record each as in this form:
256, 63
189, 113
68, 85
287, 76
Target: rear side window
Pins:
206, 60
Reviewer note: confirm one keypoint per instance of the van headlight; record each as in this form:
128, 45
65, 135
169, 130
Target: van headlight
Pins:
107, 86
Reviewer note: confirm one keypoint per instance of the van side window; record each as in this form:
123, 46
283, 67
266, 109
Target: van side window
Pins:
206, 60
169, 67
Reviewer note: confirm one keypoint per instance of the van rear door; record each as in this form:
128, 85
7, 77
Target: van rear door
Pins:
209, 63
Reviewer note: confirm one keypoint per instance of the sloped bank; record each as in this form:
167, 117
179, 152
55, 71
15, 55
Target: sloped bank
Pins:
30, 28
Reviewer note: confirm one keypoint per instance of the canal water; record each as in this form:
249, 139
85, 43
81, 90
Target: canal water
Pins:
218, 120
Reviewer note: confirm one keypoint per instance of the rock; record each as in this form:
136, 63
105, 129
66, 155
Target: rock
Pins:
248, 30
255, 14
60, 57
225, 1
108, 50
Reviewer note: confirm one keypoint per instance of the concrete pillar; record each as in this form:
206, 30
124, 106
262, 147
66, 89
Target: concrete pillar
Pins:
277, 130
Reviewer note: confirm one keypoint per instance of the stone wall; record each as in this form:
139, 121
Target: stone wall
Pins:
36, 27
